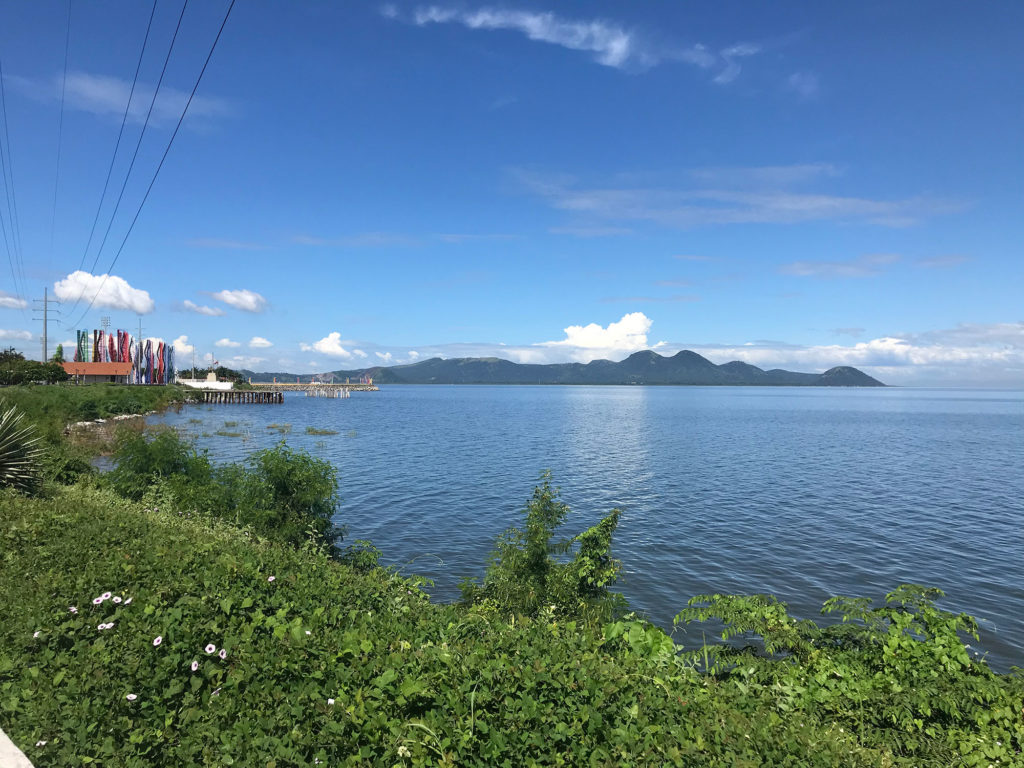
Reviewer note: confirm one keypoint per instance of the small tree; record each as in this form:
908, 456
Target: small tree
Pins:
528, 573
58, 355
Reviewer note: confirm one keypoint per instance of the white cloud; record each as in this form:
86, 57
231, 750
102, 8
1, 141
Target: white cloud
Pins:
109, 291
182, 347
258, 342
245, 300
226, 343
359, 353
201, 309
610, 43
868, 265
107, 96
741, 196
413, 355
10, 301
387, 357
11, 335
243, 361
328, 345
587, 342
731, 57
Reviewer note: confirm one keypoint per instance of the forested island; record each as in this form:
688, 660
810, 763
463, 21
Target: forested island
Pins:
646, 367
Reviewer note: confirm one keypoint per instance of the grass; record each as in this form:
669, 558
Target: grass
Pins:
356, 667
226, 433
282, 429
311, 430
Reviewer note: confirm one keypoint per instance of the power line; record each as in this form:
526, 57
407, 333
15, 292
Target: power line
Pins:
120, 133
8, 174
60, 130
156, 173
135, 154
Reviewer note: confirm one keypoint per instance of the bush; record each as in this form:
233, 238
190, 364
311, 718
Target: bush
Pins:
524, 575
286, 494
20, 451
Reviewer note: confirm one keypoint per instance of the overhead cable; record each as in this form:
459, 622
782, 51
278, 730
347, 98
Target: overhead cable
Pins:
156, 173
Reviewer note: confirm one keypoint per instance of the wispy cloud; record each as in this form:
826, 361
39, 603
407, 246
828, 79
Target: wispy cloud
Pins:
10, 301
258, 342
868, 265
607, 42
104, 291
674, 299
201, 309
941, 262
224, 244
8, 334
728, 196
804, 84
107, 96
591, 231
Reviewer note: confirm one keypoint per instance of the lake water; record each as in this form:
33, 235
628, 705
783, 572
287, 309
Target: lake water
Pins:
803, 493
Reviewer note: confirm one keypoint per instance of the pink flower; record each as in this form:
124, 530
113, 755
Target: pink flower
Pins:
117, 599
131, 697
105, 595
210, 648
72, 609
108, 625
157, 640
195, 665
97, 600
128, 601
223, 653
271, 578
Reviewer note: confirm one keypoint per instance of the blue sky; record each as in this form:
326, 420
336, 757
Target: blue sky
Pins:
796, 185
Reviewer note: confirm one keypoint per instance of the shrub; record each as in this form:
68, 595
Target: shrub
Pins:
20, 450
525, 574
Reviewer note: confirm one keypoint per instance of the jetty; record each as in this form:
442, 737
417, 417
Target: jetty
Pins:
239, 396
283, 386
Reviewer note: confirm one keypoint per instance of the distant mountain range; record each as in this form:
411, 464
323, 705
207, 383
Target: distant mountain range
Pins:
645, 367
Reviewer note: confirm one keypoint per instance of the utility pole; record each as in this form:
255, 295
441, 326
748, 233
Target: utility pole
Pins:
46, 301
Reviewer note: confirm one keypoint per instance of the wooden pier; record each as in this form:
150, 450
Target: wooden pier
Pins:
284, 386
240, 396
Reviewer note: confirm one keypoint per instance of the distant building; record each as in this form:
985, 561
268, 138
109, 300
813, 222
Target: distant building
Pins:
96, 373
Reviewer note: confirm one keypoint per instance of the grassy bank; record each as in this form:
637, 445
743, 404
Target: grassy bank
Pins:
299, 658
51, 408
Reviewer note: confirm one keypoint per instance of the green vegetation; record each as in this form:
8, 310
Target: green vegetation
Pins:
281, 429
311, 430
15, 369
525, 578
20, 451
173, 612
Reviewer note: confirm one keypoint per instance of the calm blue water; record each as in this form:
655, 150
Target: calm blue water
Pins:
803, 493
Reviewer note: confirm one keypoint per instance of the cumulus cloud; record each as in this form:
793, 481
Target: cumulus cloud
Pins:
245, 300
12, 335
387, 357
182, 347
258, 342
359, 353
226, 343
201, 309
413, 355
110, 291
331, 344
10, 301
